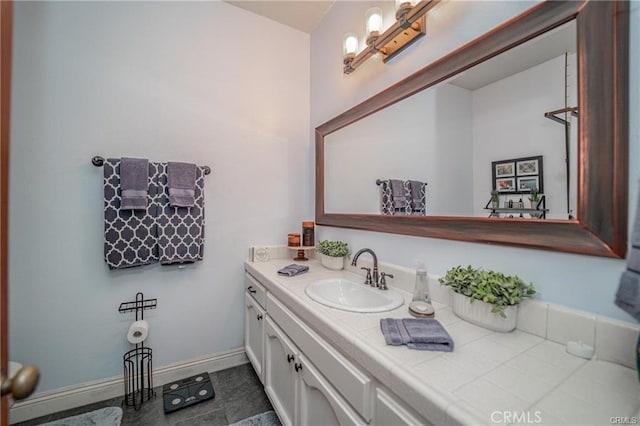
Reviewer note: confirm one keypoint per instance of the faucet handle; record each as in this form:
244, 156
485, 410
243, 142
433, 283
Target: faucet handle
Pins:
368, 279
383, 281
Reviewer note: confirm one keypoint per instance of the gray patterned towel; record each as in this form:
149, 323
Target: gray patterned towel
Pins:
425, 334
182, 184
180, 229
134, 183
130, 236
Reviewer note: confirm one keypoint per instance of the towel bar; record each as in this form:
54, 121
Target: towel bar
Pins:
98, 161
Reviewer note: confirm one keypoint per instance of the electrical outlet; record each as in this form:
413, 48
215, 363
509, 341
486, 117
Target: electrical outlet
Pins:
260, 254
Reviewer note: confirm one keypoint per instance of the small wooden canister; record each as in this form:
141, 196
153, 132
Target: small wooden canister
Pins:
308, 234
293, 240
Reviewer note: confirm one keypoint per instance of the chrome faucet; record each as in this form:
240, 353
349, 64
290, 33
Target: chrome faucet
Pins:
374, 281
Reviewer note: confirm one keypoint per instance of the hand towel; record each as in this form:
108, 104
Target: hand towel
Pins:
180, 230
628, 294
293, 269
130, 236
418, 203
134, 182
182, 184
417, 333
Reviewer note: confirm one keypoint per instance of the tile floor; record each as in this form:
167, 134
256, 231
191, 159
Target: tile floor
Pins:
239, 394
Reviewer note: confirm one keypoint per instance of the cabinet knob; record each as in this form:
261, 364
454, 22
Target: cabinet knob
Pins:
298, 367
259, 317
290, 358
251, 290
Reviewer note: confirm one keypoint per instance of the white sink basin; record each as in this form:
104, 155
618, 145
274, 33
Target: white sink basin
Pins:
348, 295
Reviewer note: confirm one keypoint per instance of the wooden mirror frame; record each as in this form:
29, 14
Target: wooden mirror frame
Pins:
603, 97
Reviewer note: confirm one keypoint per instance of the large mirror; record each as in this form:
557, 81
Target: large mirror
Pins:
538, 105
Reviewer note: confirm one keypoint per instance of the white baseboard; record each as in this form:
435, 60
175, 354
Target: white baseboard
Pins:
68, 397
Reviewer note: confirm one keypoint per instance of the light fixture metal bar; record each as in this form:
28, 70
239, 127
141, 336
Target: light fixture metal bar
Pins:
404, 39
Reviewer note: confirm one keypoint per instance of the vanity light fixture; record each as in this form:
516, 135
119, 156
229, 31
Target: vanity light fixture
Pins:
409, 26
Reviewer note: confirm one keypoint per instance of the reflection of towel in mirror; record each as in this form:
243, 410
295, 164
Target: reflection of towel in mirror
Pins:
418, 202
134, 183
417, 333
398, 194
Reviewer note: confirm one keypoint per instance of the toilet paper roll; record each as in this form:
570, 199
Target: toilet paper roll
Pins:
138, 332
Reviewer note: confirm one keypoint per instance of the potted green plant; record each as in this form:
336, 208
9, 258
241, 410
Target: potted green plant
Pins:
495, 199
534, 198
486, 298
333, 253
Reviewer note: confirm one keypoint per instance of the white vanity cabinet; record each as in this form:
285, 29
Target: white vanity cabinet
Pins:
254, 334
307, 380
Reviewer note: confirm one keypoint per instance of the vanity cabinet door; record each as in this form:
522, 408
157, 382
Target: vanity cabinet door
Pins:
279, 374
254, 317
319, 404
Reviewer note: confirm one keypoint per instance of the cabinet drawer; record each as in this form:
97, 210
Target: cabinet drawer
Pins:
354, 385
256, 289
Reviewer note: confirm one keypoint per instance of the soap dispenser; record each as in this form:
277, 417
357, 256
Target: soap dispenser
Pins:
420, 305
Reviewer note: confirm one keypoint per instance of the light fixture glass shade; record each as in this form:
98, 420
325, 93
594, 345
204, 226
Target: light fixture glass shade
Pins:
350, 45
401, 4
373, 19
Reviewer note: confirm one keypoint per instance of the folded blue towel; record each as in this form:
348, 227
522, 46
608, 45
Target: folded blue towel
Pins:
293, 269
134, 183
182, 184
425, 334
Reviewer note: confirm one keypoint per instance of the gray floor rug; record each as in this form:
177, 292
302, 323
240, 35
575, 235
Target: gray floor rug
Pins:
109, 416
268, 418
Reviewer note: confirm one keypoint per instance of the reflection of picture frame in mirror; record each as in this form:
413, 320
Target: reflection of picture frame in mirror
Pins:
505, 169
528, 183
518, 175
527, 168
506, 184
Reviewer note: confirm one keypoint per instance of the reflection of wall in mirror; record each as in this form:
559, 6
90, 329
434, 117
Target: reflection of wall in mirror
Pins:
509, 122
426, 137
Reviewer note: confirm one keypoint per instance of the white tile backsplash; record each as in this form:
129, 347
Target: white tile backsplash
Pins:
616, 341
532, 317
566, 325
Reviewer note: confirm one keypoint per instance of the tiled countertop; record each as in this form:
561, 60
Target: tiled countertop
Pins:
490, 377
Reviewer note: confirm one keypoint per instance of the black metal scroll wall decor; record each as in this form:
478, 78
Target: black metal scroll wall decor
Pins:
518, 175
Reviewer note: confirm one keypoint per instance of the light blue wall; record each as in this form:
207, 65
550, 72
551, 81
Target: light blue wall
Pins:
167, 81
581, 282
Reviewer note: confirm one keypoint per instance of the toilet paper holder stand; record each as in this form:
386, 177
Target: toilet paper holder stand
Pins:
138, 362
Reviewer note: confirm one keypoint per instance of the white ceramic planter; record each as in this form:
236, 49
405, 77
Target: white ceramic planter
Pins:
479, 313
334, 263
